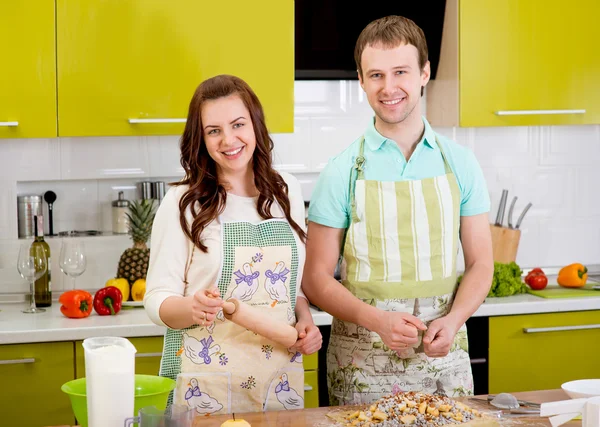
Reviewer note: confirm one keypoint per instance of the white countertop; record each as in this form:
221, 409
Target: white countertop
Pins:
17, 327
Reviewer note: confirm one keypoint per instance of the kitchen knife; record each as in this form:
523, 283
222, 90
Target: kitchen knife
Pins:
510, 212
522, 215
501, 208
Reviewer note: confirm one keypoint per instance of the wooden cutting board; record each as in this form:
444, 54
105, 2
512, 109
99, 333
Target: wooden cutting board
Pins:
317, 417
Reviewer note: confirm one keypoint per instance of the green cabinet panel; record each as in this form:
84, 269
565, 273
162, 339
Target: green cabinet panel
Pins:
28, 71
311, 389
543, 351
533, 62
142, 60
31, 376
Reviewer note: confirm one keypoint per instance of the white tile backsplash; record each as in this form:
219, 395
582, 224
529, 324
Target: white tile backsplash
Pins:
104, 158
554, 167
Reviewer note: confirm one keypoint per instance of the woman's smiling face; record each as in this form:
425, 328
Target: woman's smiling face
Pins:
228, 134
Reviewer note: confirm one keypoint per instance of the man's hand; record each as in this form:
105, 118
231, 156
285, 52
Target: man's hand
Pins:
309, 337
399, 331
439, 336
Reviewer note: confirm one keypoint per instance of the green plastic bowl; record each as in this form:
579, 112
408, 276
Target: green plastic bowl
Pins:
150, 390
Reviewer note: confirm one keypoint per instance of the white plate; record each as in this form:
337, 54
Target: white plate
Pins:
132, 303
582, 388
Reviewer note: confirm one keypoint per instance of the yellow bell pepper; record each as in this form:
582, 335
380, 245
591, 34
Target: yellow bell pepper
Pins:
572, 276
122, 284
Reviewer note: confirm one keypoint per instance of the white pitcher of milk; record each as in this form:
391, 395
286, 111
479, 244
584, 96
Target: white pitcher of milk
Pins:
110, 380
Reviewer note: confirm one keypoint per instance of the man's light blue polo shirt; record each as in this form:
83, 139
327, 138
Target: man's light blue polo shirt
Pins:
330, 201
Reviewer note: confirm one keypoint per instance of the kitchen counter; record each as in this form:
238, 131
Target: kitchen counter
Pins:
318, 416
17, 327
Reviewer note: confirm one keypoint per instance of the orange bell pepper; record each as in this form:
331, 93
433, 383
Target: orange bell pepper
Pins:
76, 304
572, 276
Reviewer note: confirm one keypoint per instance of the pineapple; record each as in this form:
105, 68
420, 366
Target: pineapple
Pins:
133, 264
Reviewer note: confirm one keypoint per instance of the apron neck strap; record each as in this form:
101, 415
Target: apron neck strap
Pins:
358, 173
447, 167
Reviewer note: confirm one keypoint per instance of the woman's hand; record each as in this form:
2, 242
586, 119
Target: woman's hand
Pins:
205, 306
309, 337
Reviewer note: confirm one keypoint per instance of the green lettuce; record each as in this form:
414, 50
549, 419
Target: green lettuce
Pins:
506, 281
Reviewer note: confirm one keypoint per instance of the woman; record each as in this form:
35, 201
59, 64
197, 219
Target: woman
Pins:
233, 227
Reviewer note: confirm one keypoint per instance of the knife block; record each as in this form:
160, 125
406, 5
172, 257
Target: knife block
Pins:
505, 243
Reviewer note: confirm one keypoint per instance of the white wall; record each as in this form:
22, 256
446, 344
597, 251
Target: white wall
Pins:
552, 167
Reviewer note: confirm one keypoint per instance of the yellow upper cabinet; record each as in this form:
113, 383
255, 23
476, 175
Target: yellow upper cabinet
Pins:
28, 71
124, 61
531, 62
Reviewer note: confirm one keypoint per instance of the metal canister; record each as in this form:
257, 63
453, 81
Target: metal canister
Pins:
145, 188
158, 190
28, 206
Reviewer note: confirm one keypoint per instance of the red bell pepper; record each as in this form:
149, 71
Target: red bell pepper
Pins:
108, 301
76, 304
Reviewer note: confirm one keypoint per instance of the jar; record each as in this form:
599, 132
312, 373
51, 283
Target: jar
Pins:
28, 206
120, 208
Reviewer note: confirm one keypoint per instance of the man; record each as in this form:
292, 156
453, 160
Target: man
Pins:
395, 204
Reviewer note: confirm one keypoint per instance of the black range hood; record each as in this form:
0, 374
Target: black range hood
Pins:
326, 32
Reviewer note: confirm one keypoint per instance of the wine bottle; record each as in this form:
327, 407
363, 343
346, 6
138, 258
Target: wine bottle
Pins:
43, 286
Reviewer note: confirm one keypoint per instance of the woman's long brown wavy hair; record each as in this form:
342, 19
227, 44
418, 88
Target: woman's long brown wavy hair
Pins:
201, 170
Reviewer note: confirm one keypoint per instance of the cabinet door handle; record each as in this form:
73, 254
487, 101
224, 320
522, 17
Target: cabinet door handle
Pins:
560, 328
307, 387
17, 361
8, 124
141, 121
480, 361
157, 354
536, 112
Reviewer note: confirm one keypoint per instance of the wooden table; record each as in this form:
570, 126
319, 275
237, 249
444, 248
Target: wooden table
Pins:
317, 416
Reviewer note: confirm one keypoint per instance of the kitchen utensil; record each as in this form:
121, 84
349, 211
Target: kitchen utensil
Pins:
174, 416
522, 215
32, 264
50, 198
506, 401
582, 388
510, 212
521, 402
556, 291
110, 374
501, 208
72, 260
259, 322
28, 206
150, 390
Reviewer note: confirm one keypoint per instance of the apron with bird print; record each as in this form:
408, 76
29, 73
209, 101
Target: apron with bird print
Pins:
225, 368
399, 254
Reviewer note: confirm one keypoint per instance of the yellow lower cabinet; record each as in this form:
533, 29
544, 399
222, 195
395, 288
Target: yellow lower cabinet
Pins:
311, 381
543, 351
147, 357
31, 377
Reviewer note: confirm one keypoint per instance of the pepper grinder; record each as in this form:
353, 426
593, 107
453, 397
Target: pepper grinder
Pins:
120, 222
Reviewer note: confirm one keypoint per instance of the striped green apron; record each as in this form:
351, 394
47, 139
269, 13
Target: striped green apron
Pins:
399, 255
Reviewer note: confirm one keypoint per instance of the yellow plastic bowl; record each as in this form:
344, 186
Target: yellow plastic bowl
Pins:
150, 390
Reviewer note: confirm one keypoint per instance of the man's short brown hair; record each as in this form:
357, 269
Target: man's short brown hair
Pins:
389, 32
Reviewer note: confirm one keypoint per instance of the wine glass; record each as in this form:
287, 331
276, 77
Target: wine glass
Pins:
72, 259
32, 264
